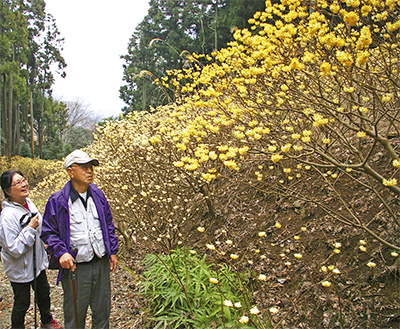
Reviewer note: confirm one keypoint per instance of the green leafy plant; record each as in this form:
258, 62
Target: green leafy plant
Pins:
183, 296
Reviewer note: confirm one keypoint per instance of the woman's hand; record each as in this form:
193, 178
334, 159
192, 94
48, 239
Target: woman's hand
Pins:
34, 223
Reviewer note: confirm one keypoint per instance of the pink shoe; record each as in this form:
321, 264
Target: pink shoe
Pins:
52, 325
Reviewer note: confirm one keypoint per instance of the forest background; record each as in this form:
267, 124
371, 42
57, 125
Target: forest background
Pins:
263, 190
31, 54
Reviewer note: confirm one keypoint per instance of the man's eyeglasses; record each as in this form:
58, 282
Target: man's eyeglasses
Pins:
20, 182
84, 166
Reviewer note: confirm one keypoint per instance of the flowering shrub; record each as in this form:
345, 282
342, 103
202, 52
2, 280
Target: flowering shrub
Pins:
35, 170
297, 108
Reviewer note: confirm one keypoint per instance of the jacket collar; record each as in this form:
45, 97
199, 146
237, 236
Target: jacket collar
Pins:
66, 192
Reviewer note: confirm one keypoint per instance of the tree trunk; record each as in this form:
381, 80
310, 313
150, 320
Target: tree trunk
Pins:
4, 111
1, 108
144, 100
216, 27
32, 134
40, 127
9, 121
17, 130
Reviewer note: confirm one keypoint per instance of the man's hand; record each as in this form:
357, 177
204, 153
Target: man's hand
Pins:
113, 263
67, 262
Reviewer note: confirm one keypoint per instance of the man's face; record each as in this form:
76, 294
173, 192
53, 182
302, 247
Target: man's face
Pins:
82, 173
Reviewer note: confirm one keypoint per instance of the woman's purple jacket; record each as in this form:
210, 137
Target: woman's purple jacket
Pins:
56, 225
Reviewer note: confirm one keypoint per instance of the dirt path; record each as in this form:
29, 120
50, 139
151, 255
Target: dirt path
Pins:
125, 311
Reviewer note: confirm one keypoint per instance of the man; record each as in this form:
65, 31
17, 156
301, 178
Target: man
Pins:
80, 234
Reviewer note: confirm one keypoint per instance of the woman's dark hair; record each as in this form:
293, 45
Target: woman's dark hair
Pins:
6, 179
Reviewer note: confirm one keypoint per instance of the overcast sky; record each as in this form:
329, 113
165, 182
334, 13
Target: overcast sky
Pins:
96, 34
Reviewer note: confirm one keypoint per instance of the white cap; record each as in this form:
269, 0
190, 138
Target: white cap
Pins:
79, 157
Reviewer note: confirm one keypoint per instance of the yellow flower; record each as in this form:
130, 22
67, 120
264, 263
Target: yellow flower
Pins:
229, 242
261, 234
276, 157
366, 9
394, 254
334, 8
284, 87
361, 134
201, 229
371, 264
208, 177
396, 163
362, 248
362, 57
244, 319
298, 256
326, 283
336, 251
278, 225
210, 246
234, 256
325, 69
273, 310
243, 150
262, 277
179, 164
390, 182
336, 271
387, 97
214, 280
155, 140
362, 242
272, 148
254, 310
324, 269
231, 164
352, 18
181, 146
303, 229
344, 58
228, 303
238, 305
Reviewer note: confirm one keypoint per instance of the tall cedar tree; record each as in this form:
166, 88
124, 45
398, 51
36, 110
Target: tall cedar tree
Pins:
29, 45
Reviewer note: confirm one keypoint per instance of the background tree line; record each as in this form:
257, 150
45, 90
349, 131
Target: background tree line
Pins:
168, 35
32, 122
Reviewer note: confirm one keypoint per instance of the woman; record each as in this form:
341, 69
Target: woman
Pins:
20, 227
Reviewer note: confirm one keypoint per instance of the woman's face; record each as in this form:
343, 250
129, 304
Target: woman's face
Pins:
19, 189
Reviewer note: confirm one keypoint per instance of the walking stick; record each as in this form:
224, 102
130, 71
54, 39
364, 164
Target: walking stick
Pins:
34, 280
74, 297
